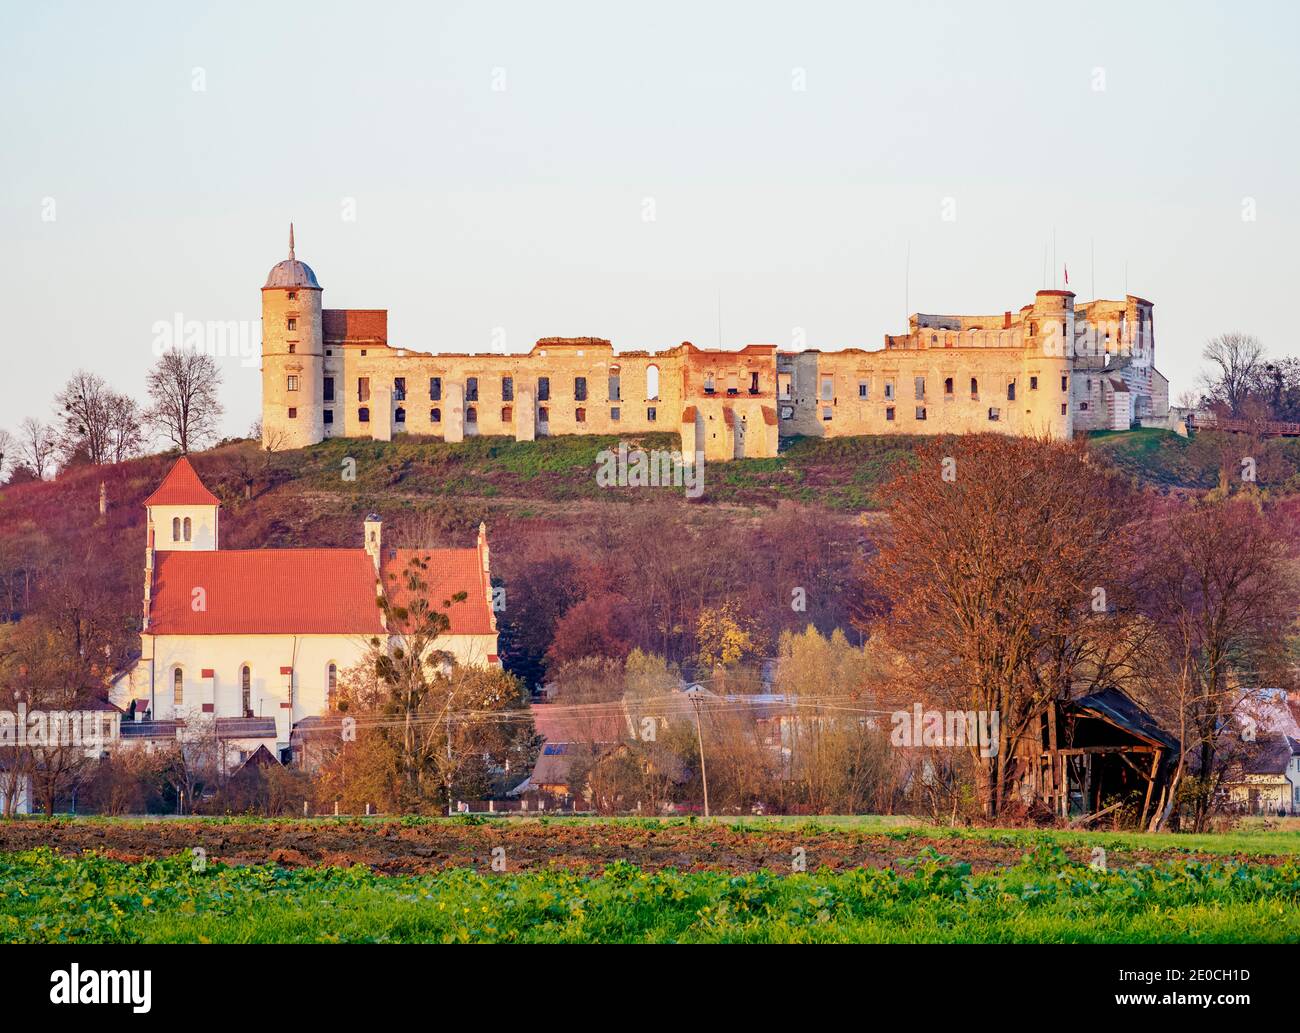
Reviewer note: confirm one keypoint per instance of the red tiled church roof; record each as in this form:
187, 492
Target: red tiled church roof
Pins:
265, 592
448, 573
182, 487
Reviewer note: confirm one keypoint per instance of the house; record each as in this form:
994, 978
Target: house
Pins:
1266, 780
239, 645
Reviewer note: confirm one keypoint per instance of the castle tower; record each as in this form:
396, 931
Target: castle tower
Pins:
293, 355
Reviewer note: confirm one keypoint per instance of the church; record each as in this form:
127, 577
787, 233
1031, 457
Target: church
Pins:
242, 645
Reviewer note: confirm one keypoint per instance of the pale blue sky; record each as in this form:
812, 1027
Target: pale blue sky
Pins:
522, 208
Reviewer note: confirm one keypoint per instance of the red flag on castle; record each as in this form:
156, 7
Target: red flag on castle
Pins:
1067, 274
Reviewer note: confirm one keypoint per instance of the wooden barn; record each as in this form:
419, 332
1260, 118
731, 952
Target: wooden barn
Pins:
1089, 756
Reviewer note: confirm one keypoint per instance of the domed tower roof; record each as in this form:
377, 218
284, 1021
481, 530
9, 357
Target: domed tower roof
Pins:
291, 272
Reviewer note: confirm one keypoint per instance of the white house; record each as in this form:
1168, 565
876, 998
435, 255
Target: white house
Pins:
241, 644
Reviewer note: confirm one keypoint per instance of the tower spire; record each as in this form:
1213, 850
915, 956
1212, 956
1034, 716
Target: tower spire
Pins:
291, 258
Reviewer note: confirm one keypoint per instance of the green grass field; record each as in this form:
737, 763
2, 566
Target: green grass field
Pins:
1048, 895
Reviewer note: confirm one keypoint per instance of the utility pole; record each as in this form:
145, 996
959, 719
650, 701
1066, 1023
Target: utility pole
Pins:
696, 696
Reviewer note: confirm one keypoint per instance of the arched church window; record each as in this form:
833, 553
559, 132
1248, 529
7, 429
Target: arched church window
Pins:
331, 684
178, 686
187, 529
246, 690
176, 529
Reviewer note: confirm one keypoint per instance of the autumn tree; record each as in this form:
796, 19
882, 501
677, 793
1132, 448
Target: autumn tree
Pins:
1220, 590
184, 400
1005, 581
94, 423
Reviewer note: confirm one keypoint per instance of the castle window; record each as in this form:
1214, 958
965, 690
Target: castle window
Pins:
471, 389
947, 385
1033, 383
650, 415
363, 389
292, 382
329, 389
1011, 391
400, 415
507, 389
435, 415
471, 414
363, 352
889, 412
580, 415
918, 383
363, 415
399, 389
507, 413
292, 295
1064, 408
614, 413
889, 390
708, 383
543, 389
543, 414
615, 388
293, 413
652, 383
1083, 406
176, 529
733, 384
178, 686
828, 389
920, 412
579, 389
329, 416
1033, 329
827, 413
246, 691
1065, 383
331, 683
435, 389
293, 348
864, 389
291, 324
995, 415
753, 383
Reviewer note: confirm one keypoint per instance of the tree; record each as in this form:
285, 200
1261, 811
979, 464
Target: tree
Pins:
185, 407
725, 637
1238, 360
8, 454
1006, 581
36, 447
96, 425
1221, 592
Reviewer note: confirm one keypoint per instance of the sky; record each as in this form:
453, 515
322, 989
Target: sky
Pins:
724, 173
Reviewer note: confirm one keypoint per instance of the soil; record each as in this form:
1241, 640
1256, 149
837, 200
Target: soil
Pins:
392, 848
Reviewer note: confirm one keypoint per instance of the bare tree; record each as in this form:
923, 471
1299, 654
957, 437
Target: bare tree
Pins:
36, 446
97, 424
184, 404
1239, 360
8, 453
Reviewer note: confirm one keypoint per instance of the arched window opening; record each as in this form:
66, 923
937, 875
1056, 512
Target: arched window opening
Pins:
178, 687
187, 528
652, 383
246, 690
331, 684
176, 529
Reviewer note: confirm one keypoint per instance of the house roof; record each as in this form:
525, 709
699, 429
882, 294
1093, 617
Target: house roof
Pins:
182, 487
1115, 707
245, 728
265, 592
1270, 755
259, 758
448, 572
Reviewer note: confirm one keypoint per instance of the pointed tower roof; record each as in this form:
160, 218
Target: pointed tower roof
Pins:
182, 487
291, 272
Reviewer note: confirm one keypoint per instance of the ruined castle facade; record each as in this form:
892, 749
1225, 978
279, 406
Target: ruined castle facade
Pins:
1049, 369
